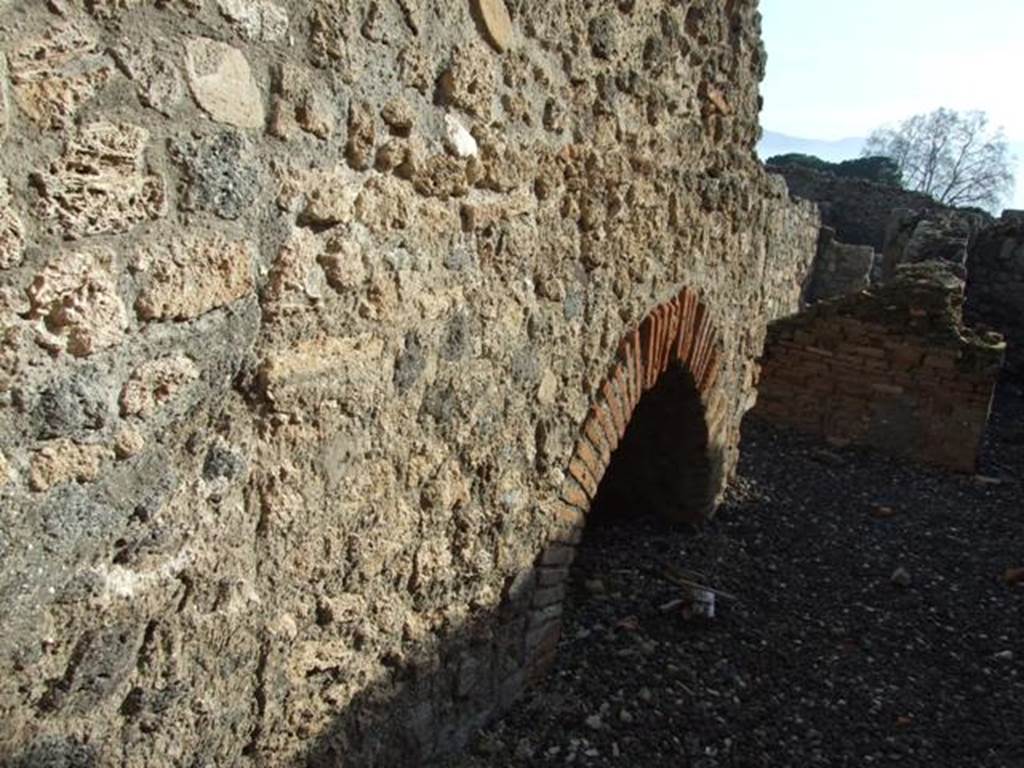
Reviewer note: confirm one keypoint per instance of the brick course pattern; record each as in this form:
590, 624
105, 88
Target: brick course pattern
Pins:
894, 369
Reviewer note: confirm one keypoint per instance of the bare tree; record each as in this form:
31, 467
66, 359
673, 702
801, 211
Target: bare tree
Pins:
953, 156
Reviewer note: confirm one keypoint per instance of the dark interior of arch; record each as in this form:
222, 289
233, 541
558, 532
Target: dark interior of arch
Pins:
661, 466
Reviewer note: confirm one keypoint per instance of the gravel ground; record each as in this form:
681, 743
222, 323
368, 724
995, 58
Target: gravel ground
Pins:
872, 625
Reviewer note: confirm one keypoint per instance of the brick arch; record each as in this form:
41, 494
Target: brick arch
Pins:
677, 336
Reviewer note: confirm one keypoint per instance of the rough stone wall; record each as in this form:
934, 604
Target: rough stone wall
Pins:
839, 268
858, 210
995, 284
304, 305
940, 235
894, 368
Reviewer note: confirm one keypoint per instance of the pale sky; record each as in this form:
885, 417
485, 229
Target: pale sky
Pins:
838, 69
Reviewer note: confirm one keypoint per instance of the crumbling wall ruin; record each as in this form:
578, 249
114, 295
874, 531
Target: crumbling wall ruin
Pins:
870, 229
893, 368
904, 227
859, 210
305, 306
946, 235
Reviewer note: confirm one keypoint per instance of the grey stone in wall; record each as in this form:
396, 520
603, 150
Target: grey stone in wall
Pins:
942, 235
220, 173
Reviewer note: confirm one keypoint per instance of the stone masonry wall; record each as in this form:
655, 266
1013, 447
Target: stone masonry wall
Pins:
893, 368
995, 284
858, 210
939, 235
307, 312
839, 268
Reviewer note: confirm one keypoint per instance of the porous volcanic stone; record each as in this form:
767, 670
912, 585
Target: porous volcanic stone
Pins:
5, 110
12, 232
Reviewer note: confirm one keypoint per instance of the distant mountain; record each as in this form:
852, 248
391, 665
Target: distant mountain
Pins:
780, 144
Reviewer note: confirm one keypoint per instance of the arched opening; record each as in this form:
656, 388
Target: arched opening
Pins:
652, 438
661, 467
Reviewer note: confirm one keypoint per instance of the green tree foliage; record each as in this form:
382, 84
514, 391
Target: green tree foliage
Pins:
953, 156
881, 170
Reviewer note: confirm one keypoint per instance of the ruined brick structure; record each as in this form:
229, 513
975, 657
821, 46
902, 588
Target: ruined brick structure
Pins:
903, 227
894, 368
321, 322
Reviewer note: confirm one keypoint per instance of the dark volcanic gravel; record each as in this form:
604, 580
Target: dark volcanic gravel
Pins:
873, 625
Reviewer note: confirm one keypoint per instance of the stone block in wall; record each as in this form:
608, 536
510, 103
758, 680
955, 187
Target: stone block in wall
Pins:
12, 231
155, 382
362, 135
301, 102
154, 71
256, 20
839, 268
221, 175
55, 73
187, 277
77, 304
59, 461
222, 83
470, 81
101, 183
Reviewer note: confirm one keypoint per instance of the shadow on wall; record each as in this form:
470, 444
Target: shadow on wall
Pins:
995, 285
651, 441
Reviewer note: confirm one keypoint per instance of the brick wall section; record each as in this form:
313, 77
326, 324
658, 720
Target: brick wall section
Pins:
678, 332
894, 369
995, 284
